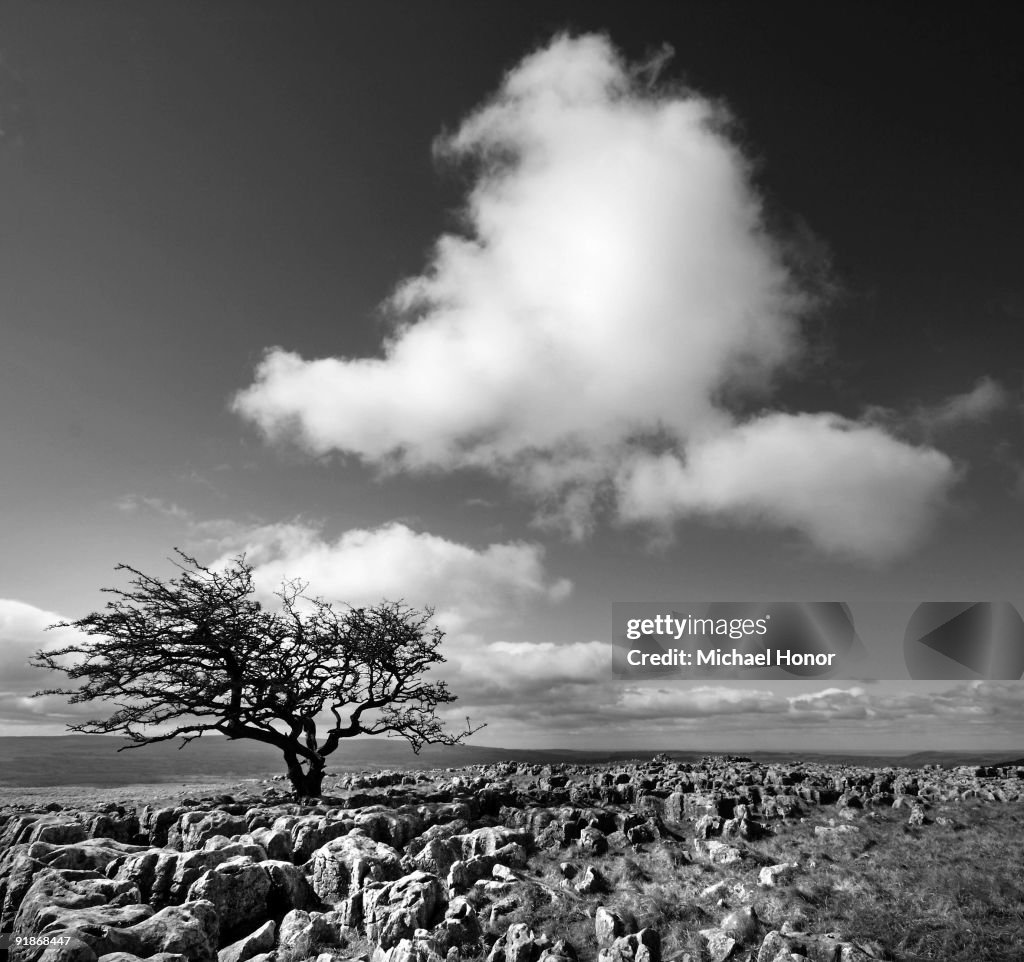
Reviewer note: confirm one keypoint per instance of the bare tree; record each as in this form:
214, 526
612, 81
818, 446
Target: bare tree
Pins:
198, 653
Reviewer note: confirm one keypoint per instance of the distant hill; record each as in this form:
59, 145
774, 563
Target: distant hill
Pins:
95, 760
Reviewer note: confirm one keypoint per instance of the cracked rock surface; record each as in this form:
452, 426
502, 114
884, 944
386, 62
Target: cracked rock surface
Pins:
658, 861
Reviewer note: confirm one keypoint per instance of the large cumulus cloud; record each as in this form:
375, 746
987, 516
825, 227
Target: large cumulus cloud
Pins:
615, 282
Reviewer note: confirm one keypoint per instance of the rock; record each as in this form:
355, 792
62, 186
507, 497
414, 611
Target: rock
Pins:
774, 946
94, 854
647, 831
194, 828
140, 871
191, 929
69, 949
561, 951
487, 841
742, 924
419, 949
174, 873
19, 873
300, 932
261, 940
344, 865
277, 845
289, 887
238, 889
707, 826
773, 875
719, 853
592, 882
156, 823
312, 833
61, 898
715, 889
460, 926
520, 945
592, 841
129, 957
56, 829
463, 874
608, 926
917, 816
643, 946
503, 873
394, 828
395, 910
436, 857
117, 826
503, 907
187, 931
718, 945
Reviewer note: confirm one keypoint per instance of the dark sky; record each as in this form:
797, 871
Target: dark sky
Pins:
184, 186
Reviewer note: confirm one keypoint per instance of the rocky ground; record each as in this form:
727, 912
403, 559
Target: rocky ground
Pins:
654, 862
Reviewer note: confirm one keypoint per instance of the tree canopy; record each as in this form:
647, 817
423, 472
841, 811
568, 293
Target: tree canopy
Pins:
198, 653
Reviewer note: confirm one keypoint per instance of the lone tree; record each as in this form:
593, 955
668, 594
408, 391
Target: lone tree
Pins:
197, 653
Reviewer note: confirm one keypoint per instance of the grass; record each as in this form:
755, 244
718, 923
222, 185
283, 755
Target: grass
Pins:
950, 894
933, 892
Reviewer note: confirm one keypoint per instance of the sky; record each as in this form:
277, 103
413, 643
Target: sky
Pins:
516, 311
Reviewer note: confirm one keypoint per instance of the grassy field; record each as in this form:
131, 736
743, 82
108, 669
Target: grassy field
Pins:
943, 893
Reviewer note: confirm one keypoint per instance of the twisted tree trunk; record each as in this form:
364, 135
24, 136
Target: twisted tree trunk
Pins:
306, 784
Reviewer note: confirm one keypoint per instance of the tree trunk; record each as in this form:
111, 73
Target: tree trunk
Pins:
306, 784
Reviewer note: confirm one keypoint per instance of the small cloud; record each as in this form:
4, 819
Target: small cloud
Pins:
980, 403
133, 503
833, 703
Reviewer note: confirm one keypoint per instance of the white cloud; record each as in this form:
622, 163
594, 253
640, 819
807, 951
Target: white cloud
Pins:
981, 403
133, 503
978, 404
23, 632
520, 672
697, 702
615, 281
364, 566
833, 703
851, 488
